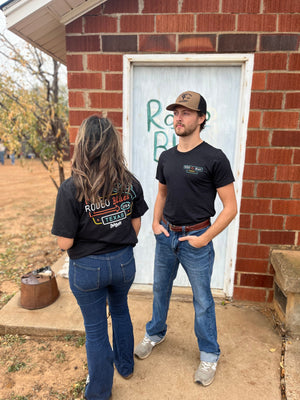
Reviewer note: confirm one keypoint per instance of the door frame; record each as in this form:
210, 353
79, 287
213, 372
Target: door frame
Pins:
246, 62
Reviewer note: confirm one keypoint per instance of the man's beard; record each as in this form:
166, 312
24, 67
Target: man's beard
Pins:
186, 131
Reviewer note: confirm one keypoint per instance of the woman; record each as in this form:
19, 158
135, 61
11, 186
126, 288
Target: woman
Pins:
97, 219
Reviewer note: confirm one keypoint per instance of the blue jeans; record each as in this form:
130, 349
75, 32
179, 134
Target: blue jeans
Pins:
198, 265
2, 156
94, 280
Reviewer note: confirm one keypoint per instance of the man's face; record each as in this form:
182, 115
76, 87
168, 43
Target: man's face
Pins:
186, 121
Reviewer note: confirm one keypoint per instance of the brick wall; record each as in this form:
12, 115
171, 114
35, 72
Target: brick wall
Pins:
270, 207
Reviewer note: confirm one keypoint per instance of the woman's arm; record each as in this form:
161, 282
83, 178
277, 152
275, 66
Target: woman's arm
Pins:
64, 243
136, 223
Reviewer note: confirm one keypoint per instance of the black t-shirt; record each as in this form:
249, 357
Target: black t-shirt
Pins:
100, 227
192, 179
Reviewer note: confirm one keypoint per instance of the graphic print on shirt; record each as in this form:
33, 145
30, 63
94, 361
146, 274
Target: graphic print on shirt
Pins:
113, 210
192, 169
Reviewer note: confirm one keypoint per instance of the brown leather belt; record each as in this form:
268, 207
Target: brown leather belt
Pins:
187, 228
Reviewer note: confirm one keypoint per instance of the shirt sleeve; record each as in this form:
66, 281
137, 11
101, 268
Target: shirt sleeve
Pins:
222, 171
67, 212
159, 170
139, 204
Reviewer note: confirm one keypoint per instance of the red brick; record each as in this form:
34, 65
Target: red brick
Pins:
277, 237
258, 81
275, 156
256, 280
203, 6
248, 236
215, 22
251, 154
72, 134
254, 119
157, 43
237, 42
75, 26
116, 118
253, 251
247, 294
267, 222
113, 81
270, 61
256, 206
277, 42
292, 100
74, 62
273, 190
293, 223
119, 43
245, 220
197, 43
175, 23
296, 159
289, 23
257, 23
158, 6
279, 6
120, 7
100, 23
283, 81
238, 6
105, 62
275, 119
270, 296
84, 44
137, 23
270, 100
84, 80
244, 265
288, 173
248, 189
259, 172
76, 100
258, 138
294, 62
286, 207
105, 100
296, 191
286, 138
77, 116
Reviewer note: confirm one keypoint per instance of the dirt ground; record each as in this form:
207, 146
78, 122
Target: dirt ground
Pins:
32, 368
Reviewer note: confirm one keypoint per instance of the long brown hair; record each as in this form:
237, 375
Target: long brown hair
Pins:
98, 163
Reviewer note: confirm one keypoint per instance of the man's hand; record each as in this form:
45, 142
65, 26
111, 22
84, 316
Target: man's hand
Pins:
194, 241
158, 229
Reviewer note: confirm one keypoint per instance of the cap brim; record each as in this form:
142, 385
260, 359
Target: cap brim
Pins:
171, 107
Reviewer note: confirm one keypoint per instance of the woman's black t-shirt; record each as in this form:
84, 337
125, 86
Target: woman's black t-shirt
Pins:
100, 227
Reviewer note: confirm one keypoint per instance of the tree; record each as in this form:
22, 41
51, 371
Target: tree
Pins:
33, 105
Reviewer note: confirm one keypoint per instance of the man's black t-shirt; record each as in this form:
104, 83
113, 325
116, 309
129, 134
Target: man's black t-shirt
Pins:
192, 179
100, 227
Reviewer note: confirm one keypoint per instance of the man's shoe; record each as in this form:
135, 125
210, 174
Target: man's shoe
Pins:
206, 372
144, 349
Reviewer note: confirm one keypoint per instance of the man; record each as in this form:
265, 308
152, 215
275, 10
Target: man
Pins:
190, 175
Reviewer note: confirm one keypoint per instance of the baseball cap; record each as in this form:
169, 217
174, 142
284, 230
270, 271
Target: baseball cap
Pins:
192, 100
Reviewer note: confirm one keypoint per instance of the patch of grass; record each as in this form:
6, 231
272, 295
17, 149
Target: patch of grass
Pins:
16, 366
61, 357
78, 388
10, 340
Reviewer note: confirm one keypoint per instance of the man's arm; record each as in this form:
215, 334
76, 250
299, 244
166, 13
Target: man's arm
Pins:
158, 210
227, 196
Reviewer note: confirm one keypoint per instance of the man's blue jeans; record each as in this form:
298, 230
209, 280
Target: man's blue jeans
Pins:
198, 265
94, 280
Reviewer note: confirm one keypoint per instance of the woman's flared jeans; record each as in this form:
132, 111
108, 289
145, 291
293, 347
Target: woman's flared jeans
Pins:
94, 280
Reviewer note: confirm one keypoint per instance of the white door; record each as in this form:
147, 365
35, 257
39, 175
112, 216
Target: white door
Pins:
148, 130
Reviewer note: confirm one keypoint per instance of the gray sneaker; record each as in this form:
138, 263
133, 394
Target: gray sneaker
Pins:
206, 372
144, 349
